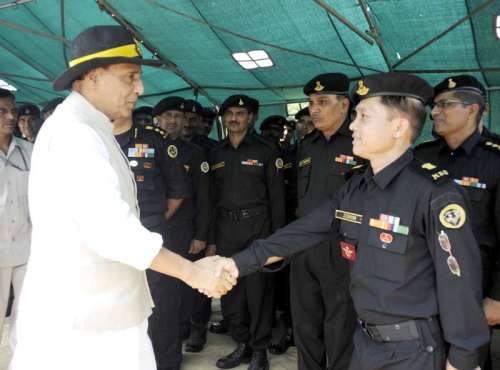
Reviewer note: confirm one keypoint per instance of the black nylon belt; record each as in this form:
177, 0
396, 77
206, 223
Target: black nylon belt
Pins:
398, 332
242, 214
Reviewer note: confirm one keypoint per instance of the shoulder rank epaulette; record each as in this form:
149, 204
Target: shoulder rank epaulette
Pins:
491, 145
431, 171
157, 129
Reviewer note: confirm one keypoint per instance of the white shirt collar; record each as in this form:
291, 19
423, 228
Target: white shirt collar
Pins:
92, 116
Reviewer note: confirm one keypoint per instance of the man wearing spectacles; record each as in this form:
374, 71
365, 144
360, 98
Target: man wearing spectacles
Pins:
473, 160
15, 224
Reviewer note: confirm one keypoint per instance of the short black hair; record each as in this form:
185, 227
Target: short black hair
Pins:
412, 108
4, 93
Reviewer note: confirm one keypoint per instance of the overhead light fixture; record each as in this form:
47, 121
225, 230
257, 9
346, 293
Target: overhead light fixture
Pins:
253, 59
497, 28
7, 86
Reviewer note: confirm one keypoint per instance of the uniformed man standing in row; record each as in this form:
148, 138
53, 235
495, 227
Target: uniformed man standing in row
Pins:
249, 202
473, 161
188, 228
405, 229
304, 124
323, 315
162, 186
194, 130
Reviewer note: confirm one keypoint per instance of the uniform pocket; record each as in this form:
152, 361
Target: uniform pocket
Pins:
303, 178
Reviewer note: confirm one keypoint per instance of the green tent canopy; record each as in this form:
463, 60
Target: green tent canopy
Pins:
197, 38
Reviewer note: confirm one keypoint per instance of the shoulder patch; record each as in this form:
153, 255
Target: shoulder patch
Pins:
279, 163
491, 145
156, 129
172, 151
204, 167
431, 171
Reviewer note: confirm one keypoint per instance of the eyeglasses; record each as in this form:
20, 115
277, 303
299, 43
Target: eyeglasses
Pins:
445, 104
4, 111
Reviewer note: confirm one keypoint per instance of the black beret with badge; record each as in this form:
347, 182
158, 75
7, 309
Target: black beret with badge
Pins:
274, 121
28, 109
100, 46
169, 103
193, 106
209, 113
240, 101
392, 84
328, 83
460, 83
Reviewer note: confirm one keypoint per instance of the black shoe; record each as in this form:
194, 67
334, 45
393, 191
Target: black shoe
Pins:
197, 339
218, 327
259, 361
241, 355
282, 346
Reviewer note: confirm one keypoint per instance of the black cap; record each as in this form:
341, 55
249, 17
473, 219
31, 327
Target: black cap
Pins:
51, 105
240, 101
99, 46
392, 84
193, 106
209, 113
28, 109
328, 83
460, 83
302, 112
273, 121
169, 103
143, 110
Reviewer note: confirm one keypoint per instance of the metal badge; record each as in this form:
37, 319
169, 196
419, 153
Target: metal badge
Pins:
452, 216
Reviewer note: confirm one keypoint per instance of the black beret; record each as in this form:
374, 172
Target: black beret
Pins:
460, 83
328, 83
169, 103
302, 112
240, 101
143, 110
28, 109
276, 121
51, 105
392, 84
209, 113
193, 106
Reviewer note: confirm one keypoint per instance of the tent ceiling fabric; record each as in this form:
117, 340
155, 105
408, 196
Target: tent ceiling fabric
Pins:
302, 38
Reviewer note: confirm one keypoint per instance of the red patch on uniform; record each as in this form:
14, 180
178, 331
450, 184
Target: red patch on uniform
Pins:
139, 178
386, 238
348, 251
148, 165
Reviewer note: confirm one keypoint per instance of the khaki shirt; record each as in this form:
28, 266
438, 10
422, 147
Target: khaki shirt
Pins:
15, 223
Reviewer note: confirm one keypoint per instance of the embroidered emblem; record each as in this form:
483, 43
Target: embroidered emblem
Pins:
386, 238
452, 216
428, 166
172, 151
348, 251
204, 167
279, 163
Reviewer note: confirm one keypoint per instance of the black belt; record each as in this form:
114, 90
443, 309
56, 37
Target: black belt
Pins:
242, 214
401, 331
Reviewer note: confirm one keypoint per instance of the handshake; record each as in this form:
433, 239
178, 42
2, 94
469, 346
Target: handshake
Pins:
213, 276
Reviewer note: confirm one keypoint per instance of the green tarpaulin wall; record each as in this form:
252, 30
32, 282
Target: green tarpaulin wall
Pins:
434, 38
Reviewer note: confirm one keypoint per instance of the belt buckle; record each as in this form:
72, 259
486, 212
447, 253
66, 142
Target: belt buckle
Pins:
365, 329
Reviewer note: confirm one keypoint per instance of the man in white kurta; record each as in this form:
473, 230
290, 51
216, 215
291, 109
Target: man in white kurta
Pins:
86, 300
15, 224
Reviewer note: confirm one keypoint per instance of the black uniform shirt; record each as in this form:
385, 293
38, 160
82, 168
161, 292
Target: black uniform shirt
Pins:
475, 166
197, 208
248, 176
322, 165
158, 175
205, 142
407, 234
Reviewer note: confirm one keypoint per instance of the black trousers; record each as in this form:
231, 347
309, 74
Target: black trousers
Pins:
164, 323
323, 314
179, 236
282, 295
248, 307
427, 352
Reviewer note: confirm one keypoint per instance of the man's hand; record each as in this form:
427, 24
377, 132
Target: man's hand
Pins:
210, 251
196, 246
211, 277
491, 310
227, 265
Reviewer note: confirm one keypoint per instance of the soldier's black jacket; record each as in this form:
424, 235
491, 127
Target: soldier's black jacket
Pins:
205, 142
475, 166
158, 176
322, 165
248, 176
198, 207
289, 156
406, 231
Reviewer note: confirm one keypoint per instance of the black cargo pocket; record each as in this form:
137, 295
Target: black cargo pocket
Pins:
348, 241
303, 178
388, 254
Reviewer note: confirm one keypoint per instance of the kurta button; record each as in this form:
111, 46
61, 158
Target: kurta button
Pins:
429, 349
